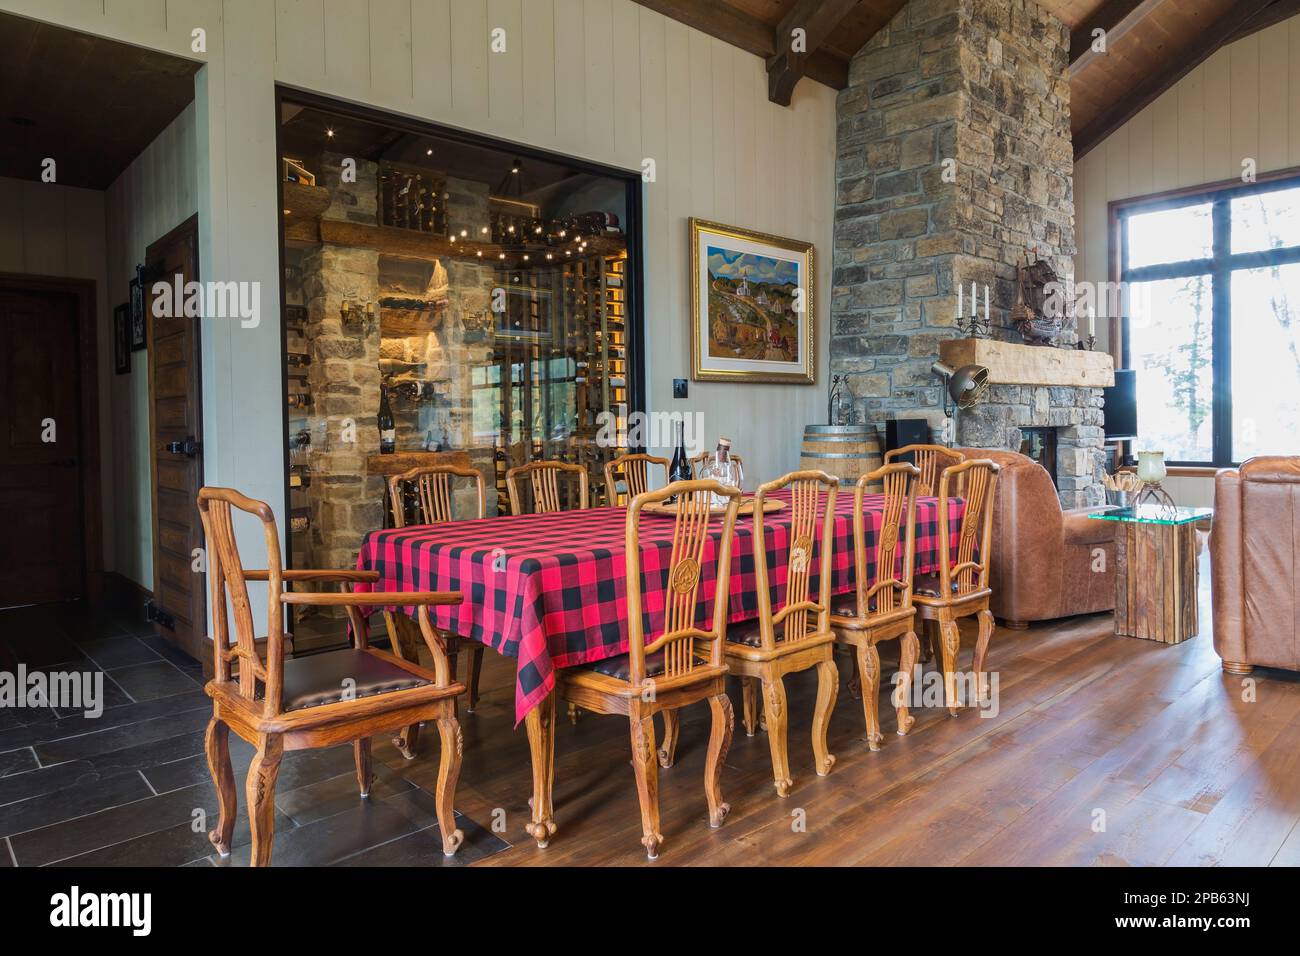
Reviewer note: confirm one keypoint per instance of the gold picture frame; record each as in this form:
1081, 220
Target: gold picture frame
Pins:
753, 306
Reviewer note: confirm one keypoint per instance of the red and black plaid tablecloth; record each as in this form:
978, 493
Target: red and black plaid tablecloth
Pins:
550, 590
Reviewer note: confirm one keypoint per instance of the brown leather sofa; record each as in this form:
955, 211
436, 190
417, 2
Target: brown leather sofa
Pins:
1043, 556
1255, 564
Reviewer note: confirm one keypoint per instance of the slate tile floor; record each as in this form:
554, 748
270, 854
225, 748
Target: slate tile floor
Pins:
131, 787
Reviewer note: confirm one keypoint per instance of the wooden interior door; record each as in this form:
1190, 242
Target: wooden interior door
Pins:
176, 443
41, 517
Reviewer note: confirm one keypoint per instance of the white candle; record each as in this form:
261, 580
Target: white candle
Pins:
1092, 323
986, 303
961, 289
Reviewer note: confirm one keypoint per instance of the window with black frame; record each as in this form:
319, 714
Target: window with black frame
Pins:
1211, 285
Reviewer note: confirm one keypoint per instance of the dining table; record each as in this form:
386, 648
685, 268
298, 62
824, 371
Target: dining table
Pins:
549, 590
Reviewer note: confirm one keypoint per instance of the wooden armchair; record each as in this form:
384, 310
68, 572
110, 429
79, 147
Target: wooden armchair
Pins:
635, 470
931, 460
681, 666
797, 637
315, 701
881, 609
960, 588
432, 489
544, 479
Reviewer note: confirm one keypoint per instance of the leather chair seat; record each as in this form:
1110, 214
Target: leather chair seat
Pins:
747, 633
929, 585
318, 679
846, 605
620, 668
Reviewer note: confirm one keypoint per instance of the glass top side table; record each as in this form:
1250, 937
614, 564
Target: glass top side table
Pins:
1154, 514
1156, 571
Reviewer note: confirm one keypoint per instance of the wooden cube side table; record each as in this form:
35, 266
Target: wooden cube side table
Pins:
1156, 571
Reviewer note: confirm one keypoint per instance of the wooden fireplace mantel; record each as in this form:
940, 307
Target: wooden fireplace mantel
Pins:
1010, 363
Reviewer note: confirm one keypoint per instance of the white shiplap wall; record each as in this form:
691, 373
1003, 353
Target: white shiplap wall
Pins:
156, 193
1242, 103
605, 80
52, 230
611, 81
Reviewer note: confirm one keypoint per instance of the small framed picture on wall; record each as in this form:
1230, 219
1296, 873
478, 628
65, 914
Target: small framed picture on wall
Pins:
137, 315
122, 339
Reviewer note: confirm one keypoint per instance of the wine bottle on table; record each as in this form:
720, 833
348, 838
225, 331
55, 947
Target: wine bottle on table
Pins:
680, 468
387, 427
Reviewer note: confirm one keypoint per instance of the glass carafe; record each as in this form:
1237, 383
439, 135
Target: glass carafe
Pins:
722, 468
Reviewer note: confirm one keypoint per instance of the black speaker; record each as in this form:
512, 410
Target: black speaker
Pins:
906, 431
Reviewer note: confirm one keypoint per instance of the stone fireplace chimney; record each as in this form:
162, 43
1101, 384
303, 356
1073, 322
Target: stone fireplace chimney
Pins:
954, 161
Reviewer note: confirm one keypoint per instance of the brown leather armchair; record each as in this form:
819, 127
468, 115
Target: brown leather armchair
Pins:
1044, 557
1255, 564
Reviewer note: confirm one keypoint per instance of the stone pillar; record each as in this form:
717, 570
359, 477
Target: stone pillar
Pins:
954, 161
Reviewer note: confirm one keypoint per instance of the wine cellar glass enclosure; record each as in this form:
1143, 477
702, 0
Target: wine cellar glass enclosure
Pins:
476, 299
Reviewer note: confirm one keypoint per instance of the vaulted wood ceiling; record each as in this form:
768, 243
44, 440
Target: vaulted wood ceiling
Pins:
89, 103
1150, 44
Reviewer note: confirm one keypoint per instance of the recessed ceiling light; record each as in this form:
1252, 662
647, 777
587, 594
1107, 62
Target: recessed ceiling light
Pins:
429, 151
329, 131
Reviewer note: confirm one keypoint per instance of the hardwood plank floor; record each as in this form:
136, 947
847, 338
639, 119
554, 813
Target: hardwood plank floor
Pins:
1101, 751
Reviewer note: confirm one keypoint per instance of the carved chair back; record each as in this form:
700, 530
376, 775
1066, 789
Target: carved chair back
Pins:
889, 591
977, 478
812, 516
228, 582
544, 480
635, 469
931, 460
691, 533
433, 487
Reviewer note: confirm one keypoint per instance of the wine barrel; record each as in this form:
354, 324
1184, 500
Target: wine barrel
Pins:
845, 451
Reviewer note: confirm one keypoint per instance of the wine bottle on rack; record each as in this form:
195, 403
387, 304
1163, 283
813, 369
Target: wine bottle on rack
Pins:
299, 399
297, 359
387, 426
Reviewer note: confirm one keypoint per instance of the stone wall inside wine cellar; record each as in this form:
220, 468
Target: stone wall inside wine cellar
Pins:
954, 162
425, 336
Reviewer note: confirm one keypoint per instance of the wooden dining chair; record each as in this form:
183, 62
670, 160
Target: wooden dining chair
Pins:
960, 588
544, 480
431, 488
316, 701
880, 607
635, 471
797, 636
931, 460
695, 461
681, 665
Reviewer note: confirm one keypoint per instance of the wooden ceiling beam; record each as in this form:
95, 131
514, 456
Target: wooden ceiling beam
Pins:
798, 37
726, 23
1115, 18
1242, 19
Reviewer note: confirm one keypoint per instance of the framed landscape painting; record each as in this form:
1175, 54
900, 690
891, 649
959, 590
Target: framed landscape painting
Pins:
752, 306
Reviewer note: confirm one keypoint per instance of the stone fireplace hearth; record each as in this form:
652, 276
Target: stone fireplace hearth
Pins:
1073, 413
